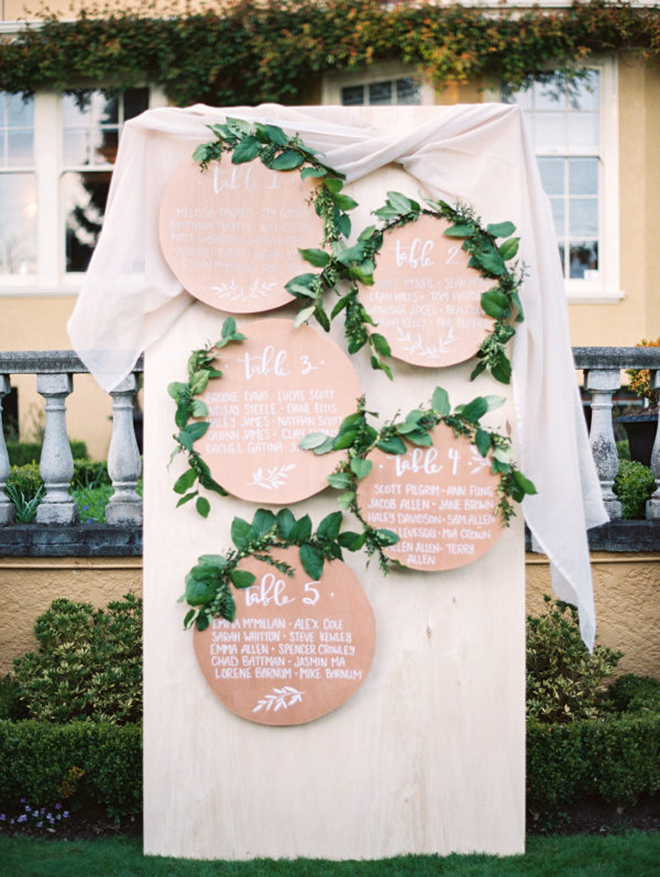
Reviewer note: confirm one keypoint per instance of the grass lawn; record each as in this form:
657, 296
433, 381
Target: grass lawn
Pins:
633, 854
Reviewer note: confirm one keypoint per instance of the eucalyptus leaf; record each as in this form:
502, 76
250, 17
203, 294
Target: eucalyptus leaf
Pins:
312, 172
381, 344
474, 409
386, 537
482, 441
263, 521
203, 506
501, 229
312, 561
245, 150
361, 468
185, 482
302, 316
329, 527
312, 440
276, 135
440, 402
495, 304
301, 530
241, 578
339, 480
392, 445
285, 522
399, 202
351, 541
317, 258
240, 532
460, 230
287, 161
509, 248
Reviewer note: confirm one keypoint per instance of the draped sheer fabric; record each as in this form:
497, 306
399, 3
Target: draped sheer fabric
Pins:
478, 154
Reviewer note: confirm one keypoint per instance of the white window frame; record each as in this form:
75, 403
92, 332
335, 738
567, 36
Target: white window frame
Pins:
607, 288
386, 72
51, 278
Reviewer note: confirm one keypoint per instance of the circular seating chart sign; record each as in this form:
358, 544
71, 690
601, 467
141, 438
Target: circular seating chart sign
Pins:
296, 650
425, 299
277, 386
439, 501
231, 233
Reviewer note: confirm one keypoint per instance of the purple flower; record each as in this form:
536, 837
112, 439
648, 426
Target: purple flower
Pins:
28, 809
3, 817
22, 801
58, 806
22, 818
65, 814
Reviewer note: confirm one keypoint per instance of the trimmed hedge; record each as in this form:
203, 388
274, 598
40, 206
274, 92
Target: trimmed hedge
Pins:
21, 453
617, 759
89, 763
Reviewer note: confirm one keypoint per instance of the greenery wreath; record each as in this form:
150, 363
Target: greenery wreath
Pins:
359, 438
189, 415
356, 264
210, 583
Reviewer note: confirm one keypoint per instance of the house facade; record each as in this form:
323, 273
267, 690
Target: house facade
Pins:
67, 87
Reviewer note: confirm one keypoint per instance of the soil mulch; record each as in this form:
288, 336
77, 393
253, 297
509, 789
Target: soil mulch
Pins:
596, 816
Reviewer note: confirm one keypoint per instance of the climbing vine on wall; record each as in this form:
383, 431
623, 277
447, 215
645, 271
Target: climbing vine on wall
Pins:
247, 52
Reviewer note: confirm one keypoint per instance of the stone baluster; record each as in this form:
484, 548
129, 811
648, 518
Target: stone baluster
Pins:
653, 504
602, 384
56, 464
7, 510
124, 465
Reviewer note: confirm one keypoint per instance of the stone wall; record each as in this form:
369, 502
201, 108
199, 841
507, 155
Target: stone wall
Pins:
625, 586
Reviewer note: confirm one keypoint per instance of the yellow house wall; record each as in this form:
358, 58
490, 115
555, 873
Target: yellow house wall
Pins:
626, 590
39, 323
29, 585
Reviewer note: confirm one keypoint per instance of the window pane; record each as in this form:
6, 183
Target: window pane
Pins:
85, 196
559, 213
550, 95
20, 148
18, 224
380, 93
583, 176
136, 101
20, 113
550, 132
583, 217
583, 131
352, 96
584, 94
552, 175
106, 144
76, 147
584, 260
408, 91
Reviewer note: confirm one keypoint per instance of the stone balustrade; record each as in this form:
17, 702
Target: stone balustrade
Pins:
602, 368
54, 371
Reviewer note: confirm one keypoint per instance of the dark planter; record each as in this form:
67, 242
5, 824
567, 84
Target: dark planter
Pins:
640, 429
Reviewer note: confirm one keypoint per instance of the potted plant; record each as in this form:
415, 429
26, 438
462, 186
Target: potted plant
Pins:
641, 427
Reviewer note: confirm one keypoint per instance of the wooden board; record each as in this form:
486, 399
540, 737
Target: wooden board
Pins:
428, 755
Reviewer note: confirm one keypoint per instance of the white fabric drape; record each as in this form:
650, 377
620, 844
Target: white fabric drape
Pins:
479, 154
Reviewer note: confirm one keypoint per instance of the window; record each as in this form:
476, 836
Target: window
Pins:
91, 124
385, 85
57, 151
18, 186
573, 128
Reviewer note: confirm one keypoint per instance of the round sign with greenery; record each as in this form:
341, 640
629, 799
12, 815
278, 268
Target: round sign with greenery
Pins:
358, 437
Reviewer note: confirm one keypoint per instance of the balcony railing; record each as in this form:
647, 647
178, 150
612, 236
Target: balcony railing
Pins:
601, 366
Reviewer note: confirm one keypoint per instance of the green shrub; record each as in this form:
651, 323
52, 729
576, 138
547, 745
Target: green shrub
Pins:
633, 484
88, 666
634, 694
92, 501
10, 704
81, 762
90, 473
617, 759
25, 488
564, 681
21, 453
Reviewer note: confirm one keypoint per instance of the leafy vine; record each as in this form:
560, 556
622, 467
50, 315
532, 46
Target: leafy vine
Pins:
247, 142
201, 369
276, 50
210, 583
359, 438
358, 262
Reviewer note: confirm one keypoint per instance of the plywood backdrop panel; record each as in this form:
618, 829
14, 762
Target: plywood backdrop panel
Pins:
426, 757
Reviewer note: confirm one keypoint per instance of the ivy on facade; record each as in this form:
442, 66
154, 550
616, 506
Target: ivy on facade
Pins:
252, 51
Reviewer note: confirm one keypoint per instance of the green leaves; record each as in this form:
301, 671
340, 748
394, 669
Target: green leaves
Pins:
287, 161
246, 149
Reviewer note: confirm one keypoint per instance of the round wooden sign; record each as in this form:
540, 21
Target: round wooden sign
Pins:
231, 233
277, 386
425, 299
296, 650
439, 500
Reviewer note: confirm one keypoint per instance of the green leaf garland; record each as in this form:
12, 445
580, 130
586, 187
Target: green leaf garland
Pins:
189, 418
210, 583
358, 437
